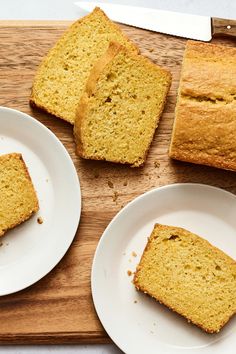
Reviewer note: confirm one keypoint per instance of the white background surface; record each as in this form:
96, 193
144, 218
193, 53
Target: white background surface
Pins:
65, 9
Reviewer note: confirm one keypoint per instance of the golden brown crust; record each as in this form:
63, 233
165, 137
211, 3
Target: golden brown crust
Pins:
203, 160
209, 72
204, 134
208, 51
90, 88
204, 126
161, 299
113, 49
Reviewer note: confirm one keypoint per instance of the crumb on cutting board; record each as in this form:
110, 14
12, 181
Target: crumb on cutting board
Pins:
115, 196
110, 184
156, 164
134, 254
129, 273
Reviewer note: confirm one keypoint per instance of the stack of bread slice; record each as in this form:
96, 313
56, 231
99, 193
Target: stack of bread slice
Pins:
95, 78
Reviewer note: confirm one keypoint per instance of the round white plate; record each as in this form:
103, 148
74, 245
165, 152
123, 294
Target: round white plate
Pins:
137, 323
31, 250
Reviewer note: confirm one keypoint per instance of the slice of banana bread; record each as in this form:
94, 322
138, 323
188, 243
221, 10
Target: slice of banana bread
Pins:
121, 107
189, 275
63, 73
18, 199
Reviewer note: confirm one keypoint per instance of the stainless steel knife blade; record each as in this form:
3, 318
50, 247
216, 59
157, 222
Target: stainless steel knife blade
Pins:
173, 23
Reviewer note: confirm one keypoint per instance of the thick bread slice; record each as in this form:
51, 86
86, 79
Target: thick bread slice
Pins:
189, 275
18, 199
121, 107
205, 115
63, 73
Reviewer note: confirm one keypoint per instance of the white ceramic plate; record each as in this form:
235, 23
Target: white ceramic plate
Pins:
31, 250
135, 322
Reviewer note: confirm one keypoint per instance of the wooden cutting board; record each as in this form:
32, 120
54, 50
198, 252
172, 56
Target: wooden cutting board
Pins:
59, 308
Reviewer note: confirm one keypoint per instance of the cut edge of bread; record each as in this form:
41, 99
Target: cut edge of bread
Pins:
113, 49
172, 308
161, 301
33, 96
36, 207
97, 69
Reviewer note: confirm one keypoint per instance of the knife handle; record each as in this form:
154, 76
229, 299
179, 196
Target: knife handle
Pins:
222, 27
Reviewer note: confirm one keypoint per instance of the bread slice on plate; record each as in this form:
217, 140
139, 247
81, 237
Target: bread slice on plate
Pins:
18, 199
63, 73
189, 275
120, 108
205, 115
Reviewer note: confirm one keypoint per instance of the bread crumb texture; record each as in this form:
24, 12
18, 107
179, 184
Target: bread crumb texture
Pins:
18, 199
63, 73
121, 107
189, 275
205, 115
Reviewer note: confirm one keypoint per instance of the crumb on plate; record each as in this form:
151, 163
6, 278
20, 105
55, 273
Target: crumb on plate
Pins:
39, 220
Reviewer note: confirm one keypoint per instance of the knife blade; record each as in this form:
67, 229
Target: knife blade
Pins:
168, 22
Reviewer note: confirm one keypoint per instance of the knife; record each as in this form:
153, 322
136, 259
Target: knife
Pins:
174, 23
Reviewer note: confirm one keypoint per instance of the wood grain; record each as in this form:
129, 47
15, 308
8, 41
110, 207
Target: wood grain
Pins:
221, 27
59, 308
